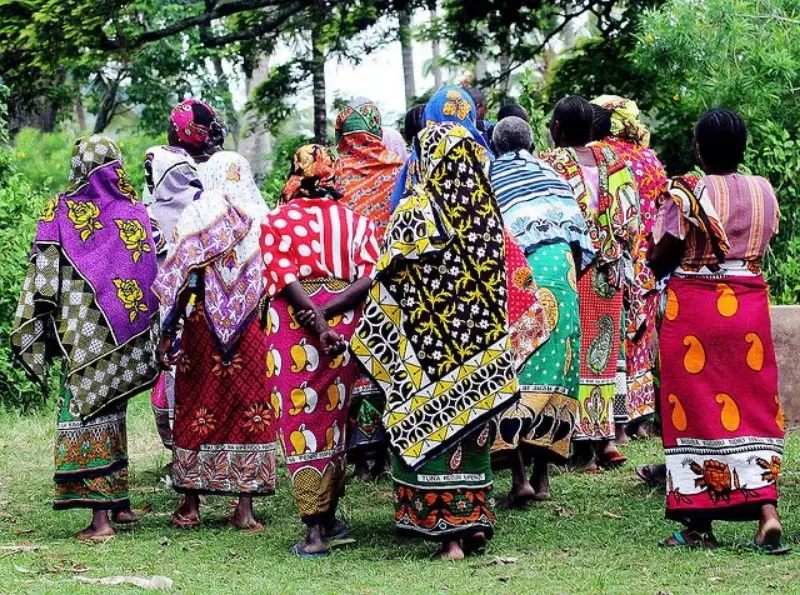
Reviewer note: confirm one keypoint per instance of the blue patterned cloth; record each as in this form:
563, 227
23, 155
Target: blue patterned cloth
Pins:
450, 104
538, 205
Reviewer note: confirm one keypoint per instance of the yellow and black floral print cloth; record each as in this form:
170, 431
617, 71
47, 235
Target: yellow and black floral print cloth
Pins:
434, 332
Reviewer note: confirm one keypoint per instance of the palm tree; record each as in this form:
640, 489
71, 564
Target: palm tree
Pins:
404, 33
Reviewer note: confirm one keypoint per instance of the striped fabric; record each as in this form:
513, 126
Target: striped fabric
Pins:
538, 206
316, 238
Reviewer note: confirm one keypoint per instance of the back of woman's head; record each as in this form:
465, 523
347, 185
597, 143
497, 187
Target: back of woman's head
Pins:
413, 122
601, 122
572, 122
512, 134
512, 109
720, 138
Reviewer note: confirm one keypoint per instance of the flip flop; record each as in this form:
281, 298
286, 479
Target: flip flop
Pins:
257, 529
95, 538
612, 462
769, 549
699, 540
298, 551
340, 530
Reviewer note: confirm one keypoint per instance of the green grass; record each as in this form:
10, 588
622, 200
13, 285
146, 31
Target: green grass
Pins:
569, 545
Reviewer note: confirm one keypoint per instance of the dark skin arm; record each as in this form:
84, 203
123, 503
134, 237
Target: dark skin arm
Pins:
332, 343
664, 257
166, 359
347, 300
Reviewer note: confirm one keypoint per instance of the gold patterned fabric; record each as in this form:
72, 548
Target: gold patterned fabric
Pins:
434, 331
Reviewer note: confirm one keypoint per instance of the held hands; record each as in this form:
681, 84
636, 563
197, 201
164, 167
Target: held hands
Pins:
315, 320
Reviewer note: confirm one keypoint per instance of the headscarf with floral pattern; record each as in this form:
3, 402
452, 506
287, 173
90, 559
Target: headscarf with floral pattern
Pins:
313, 174
196, 136
87, 294
625, 121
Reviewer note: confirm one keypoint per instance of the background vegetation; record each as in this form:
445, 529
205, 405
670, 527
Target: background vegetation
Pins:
675, 58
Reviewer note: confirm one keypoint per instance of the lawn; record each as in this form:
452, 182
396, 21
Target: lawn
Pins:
599, 535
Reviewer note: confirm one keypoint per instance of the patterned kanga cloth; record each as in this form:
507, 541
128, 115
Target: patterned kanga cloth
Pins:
434, 333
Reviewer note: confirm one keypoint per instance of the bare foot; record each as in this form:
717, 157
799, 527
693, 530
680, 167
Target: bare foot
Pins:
313, 544
520, 496
621, 434
125, 517
769, 527
475, 543
450, 551
540, 480
99, 529
361, 471
188, 512
244, 517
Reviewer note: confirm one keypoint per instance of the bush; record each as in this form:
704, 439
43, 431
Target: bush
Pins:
43, 157
280, 162
21, 205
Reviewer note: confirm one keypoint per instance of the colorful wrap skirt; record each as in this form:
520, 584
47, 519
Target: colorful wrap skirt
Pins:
601, 317
544, 418
91, 458
640, 358
449, 497
311, 392
366, 433
225, 432
722, 421
162, 400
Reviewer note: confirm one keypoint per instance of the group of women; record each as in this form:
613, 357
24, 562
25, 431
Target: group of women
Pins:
454, 299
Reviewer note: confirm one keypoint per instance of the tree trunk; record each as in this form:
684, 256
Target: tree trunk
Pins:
404, 32
80, 112
318, 82
436, 62
108, 105
254, 145
222, 81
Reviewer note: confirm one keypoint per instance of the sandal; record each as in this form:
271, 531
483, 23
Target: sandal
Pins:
182, 522
652, 475
769, 549
612, 462
340, 530
690, 539
301, 553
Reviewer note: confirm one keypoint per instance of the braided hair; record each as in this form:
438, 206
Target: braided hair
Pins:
413, 123
720, 138
573, 116
513, 109
601, 122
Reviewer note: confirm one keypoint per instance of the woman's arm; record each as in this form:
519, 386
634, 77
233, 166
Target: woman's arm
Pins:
665, 256
170, 333
332, 343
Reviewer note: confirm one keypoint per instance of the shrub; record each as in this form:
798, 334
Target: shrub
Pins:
280, 162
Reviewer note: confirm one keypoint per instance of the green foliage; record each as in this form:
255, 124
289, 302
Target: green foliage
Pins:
43, 158
280, 162
742, 55
21, 205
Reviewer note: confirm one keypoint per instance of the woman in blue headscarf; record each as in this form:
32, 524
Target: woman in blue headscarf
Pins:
450, 104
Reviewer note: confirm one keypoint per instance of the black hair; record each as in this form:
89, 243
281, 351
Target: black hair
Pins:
574, 117
476, 95
601, 122
413, 122
513, 109
720, 138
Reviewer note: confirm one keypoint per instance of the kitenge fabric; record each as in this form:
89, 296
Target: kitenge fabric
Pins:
544, 417
451, 496
189, 131
640, 343
311, 392
538, 205
366, 168
225, 432
722, 422
450, 104
625, 123
434, 333
395, 142
91, 458
86, 296
313, 173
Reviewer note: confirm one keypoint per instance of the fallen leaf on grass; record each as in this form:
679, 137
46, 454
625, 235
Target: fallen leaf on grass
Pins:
7, 517
564, 513
496, 561
611, 515
714, 579
13, 550
23, 531
24, 570
146, 507
156, 583
164, 541
79, 568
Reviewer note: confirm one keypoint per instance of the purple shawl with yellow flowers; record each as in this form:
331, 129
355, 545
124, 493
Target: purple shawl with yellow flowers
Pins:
87, 294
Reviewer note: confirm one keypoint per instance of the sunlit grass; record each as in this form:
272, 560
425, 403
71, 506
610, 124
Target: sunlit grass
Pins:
574, 544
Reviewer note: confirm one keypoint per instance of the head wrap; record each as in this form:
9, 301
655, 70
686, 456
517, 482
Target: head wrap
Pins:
174, 185
87, 292
193, 135
313, 173
625, 123
394, 142
366, 169
450, 104
360, 116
